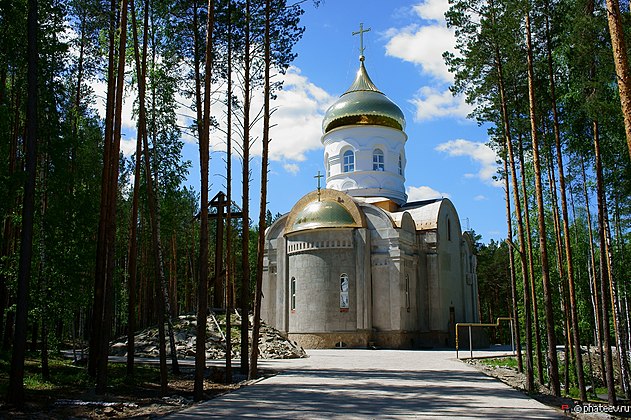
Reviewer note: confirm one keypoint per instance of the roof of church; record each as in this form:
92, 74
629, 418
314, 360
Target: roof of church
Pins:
363, 104
330, 208
424, 213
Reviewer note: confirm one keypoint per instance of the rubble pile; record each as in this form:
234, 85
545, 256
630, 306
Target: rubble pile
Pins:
272, 344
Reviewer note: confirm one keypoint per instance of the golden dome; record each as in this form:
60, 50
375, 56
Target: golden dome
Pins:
323, 214
363, 104
324, 209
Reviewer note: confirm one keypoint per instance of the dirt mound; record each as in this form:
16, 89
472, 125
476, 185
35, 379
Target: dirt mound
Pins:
272, 344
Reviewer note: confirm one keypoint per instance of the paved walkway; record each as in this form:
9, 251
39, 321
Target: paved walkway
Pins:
373, 384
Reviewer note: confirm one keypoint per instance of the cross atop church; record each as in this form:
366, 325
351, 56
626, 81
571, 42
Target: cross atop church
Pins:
319, 176
361, 40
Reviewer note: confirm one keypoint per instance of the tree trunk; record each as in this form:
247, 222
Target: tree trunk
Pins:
101, 368
133, 241
164, 384
258, 294
604, 272
593, 283
622, 355
562, 279
545, 271
43, 274
580, 375
16, 376
622, 314
621, 61
245, 244
8, 229
530, 385
100, 277
204, 141
229, 270
531, 265
153, 195
511, 261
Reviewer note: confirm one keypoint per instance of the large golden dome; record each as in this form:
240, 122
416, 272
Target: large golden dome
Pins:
363, 104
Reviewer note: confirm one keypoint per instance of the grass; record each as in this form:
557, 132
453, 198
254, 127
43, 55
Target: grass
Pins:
511, 363
508, 362
67, 378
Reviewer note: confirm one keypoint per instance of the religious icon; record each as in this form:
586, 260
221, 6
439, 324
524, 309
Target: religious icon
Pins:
344, 286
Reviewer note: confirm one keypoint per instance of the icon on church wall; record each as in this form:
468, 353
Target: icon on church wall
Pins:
344, 286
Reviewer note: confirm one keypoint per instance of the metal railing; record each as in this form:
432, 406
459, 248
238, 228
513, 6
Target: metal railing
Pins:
473, 324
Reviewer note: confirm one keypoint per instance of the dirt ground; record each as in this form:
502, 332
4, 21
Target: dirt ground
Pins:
138, 402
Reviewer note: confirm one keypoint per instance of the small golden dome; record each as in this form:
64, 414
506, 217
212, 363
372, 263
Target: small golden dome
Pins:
323, 214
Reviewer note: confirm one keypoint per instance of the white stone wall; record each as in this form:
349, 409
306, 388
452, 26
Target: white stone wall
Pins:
317, 271
364, 181
274, 303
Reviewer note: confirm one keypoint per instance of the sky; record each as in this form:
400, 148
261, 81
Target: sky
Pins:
446, 152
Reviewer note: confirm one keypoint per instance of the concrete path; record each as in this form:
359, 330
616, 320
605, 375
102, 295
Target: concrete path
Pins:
373, 384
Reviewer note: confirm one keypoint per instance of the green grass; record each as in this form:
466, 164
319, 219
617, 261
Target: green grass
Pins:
509, 362
68, 378
35, 382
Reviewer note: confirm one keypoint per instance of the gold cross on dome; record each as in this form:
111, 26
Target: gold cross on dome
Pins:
361, 40
319, 176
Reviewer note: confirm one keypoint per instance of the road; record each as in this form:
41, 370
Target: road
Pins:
373, 384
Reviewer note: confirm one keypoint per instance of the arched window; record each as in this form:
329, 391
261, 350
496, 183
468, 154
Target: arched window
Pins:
377, 160
400, 165
349, 161
344, 286
327, 165
448, 230
293, 293
407, 292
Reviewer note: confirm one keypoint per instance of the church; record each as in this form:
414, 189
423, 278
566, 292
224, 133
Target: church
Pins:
357, 265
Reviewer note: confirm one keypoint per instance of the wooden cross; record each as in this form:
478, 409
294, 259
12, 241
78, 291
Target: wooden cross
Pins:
361, 40
319, 176
220, 202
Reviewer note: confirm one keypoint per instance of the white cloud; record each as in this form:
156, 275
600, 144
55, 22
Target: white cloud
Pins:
423, 46
292, 168
296, 123
300, 107
423, 193
480, 197
127, 122
432, 103
432, 9
478, 152
298, 119
128, 146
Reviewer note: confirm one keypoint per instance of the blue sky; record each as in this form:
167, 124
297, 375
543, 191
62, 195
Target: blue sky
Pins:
446, 153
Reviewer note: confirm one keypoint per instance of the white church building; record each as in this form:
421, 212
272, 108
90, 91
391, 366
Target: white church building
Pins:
356, 265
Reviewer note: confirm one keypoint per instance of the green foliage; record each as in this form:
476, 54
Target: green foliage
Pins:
571, 52
73, 51
507, 362
493, 281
